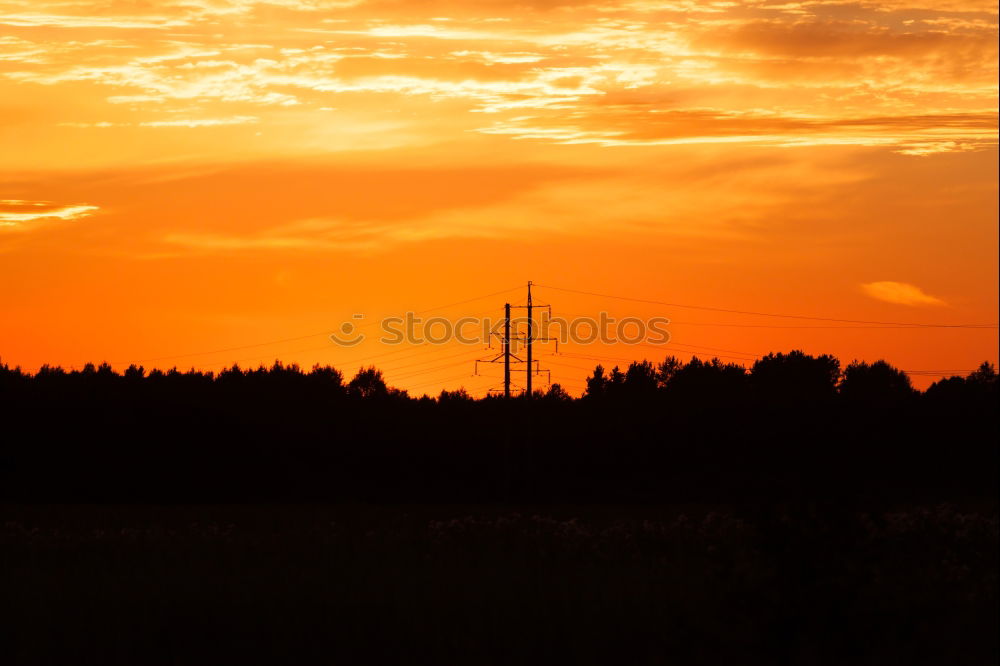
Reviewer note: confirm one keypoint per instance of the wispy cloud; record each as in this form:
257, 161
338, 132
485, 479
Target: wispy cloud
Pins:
201, 122
326, 234
17, 212
900, 293
176, 122
907, 77
81, 21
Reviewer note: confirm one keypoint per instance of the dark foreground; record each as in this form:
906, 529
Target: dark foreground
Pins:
357, 584
686, 513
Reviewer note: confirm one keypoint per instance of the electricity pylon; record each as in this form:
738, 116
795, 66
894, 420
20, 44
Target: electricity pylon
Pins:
508, 357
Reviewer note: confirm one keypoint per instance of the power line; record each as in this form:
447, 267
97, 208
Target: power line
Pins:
227, 349
915, 373
630, 360
365, 359
770, 314
362, 359
939, 373
478, 387
594, 357
901, 327
907, 327
697, 347
509, 335
424, 372
311, 335
465, 352
570, 365
389, 370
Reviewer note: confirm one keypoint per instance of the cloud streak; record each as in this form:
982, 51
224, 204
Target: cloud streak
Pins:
912, 78
16, 212
900, 293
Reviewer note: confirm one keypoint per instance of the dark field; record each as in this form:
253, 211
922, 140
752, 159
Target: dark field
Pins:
348, 584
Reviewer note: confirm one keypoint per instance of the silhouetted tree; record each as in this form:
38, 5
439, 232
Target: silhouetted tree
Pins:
368, 383
978, 388
705, 382
876, 383
795, 377
597, 384
556, 393
461, 395
667, 369
640, 380
616, 380
985, 376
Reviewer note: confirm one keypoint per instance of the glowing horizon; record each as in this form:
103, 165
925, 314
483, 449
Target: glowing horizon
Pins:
192, 175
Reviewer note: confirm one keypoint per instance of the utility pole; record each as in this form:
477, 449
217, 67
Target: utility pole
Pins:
507, 356
528, 338
506, 351
531, 338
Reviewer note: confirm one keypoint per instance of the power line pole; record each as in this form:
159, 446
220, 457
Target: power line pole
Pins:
528, 339
507, 355
506, 351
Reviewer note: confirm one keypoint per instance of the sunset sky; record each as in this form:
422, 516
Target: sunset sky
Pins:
203, 182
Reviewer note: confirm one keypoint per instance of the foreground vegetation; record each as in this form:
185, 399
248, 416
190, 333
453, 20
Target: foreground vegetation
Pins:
792, 426
582, 585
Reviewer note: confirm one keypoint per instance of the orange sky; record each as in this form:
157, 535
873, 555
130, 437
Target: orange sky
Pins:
183, 176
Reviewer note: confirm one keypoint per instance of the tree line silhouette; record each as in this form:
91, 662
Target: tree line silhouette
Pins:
792, 425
